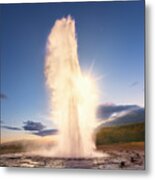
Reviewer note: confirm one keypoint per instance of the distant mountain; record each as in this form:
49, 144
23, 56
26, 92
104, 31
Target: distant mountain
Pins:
105, 111
121, 115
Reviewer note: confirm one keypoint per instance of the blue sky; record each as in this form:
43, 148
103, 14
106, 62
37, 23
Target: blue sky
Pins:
110, 36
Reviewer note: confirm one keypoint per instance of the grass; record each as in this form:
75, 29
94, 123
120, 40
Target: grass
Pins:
121, 134
122, 146
108, 138
11, 148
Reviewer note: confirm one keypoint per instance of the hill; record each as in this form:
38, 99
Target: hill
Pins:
120, 115
121, 134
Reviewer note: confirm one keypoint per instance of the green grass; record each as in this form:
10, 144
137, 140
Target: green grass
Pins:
127, 136
11, 148
122, 146
121, 134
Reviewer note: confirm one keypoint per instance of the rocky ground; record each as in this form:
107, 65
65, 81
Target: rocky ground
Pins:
116, 159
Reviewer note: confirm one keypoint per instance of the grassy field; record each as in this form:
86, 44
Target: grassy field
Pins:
122, 146
121, 134
108, 138
11, 148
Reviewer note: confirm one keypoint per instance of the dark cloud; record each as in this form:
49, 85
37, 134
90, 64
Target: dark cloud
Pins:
1, 122
33, 126
105, 111
11, 128
3, 96
37, 128
46, 132
134, 84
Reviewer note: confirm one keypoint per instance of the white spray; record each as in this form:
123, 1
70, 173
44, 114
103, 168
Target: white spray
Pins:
73, 95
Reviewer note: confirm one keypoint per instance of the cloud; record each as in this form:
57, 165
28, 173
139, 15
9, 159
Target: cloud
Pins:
33, 126
46, 132
3, 96
134, 84
37, 128
11, 128
105, 111
1, 122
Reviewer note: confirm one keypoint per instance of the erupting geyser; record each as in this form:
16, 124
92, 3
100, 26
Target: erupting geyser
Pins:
73, 95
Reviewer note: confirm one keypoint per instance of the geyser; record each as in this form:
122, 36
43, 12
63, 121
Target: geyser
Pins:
73, 95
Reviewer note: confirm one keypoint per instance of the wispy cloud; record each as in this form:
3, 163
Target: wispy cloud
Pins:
135, 83
46, 132
3, 96
12, 128
1, 122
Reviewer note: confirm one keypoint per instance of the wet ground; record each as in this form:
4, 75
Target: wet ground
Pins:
118, 159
